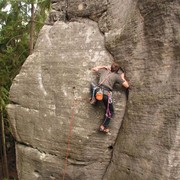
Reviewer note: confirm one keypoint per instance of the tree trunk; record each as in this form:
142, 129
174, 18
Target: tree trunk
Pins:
31, 45
1, 147
4, 156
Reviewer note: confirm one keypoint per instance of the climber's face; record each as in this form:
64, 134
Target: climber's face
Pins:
115, 67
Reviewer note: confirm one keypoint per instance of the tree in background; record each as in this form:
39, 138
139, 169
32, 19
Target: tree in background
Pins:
20, 22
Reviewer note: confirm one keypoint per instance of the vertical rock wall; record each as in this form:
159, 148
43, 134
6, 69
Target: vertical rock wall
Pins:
51, 92
149, 46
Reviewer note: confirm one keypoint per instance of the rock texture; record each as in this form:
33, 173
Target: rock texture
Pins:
50, 94
49, 98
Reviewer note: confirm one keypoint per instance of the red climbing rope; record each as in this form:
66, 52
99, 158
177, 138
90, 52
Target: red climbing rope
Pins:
69, 141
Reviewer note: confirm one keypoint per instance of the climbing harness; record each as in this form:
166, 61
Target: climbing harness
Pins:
98, 90
99, 94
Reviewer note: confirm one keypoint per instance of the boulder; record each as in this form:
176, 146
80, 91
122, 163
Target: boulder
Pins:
56, 128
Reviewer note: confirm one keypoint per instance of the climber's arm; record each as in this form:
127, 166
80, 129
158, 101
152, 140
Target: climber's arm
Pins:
125, 83
97, 68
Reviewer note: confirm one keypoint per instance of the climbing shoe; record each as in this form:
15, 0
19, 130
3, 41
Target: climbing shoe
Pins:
106, 130
101, 128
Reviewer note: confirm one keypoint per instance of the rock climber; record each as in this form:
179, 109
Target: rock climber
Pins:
108, 76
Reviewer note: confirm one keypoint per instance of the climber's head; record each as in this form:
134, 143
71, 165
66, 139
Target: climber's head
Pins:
115, 67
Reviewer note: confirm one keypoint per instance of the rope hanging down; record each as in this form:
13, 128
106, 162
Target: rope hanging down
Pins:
69, 141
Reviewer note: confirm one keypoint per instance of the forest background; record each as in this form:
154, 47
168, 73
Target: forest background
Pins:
20, 23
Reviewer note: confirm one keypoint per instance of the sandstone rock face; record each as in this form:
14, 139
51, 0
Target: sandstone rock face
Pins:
49, 107
51, 101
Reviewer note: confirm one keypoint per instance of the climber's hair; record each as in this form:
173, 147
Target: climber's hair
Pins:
115, 67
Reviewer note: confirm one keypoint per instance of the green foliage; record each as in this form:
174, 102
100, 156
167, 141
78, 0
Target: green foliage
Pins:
15, 16
3, 96
15, 22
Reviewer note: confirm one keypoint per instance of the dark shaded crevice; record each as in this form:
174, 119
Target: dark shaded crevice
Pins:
78, 162
110, 147
14, 103
66, 17
19, 105
37, 172
36, 148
